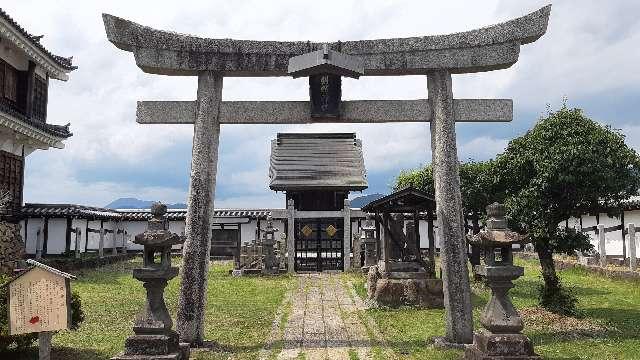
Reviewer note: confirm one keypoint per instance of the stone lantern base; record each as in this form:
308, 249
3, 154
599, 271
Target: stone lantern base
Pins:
154, 347
488, 346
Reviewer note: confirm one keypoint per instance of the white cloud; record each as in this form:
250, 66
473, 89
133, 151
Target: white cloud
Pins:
267, 201
481, 148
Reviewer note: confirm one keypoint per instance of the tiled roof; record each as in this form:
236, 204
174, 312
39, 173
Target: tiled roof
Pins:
55, 130
181, 214
316, 161
35, 40
68, 210
71, 210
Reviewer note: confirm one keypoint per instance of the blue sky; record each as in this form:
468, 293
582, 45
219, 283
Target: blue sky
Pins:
589, 54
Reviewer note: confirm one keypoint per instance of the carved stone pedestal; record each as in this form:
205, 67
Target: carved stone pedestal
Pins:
154, 339
488, 346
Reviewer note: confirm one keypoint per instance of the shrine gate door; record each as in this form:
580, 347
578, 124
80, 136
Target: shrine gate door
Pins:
319, 244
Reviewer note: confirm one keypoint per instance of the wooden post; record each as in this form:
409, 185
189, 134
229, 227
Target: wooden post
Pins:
432, 241
115, 241
44, 345
346, 235
601, 245
416, 230
378, 238
101, 243
385, 241
291, 241
39, 243
632, 247
77, 242
624, 245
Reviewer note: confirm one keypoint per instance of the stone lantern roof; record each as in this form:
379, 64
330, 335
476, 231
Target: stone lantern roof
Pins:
497, 233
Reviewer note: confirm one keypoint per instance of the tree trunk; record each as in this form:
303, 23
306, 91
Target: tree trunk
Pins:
548, 267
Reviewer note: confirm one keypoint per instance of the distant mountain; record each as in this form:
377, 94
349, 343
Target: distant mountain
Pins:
361, 201
133, 203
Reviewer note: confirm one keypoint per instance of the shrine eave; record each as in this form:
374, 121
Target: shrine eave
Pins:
168, 53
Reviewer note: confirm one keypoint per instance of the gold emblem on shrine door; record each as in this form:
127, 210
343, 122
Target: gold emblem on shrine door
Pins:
307, 231
331, 230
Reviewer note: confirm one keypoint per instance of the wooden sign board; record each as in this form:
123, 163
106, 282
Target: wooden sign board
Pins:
39, 301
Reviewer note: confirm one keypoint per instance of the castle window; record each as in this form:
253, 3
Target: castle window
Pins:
40, 98
8, 82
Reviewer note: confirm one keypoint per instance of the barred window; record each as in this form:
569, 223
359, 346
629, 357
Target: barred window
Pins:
8, 81
40, 98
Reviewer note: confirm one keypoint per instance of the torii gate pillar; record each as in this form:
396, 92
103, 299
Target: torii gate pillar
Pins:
204, 166
455, 276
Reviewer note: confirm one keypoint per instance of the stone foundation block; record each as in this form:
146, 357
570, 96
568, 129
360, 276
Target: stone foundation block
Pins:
488, 346
11, 247
154, 347
409, 288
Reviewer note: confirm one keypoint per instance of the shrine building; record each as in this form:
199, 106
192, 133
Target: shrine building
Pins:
317, 171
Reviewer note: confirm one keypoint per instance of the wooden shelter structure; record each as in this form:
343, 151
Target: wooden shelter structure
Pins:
410, 203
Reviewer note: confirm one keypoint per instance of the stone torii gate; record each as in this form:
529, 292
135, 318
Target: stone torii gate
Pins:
438, 57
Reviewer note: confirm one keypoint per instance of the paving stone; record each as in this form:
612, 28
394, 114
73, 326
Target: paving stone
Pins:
324, 322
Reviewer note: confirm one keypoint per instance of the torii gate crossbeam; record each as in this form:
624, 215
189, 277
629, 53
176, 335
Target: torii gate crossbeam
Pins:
160, 52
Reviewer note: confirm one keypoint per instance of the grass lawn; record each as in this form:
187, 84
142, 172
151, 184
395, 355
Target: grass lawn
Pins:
240, 312
609, 327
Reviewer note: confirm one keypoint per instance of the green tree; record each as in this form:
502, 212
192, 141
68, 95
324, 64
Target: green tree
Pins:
476, 185
565, 166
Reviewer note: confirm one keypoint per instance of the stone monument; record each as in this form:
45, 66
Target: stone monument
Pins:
271, 263
502, 337
263, 255
369, 241
356, 264
154, 339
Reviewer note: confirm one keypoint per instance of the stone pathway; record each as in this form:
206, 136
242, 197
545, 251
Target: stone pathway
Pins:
324, 322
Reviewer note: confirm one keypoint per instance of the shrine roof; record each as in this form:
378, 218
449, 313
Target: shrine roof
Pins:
406, 200
63, 62
317, 161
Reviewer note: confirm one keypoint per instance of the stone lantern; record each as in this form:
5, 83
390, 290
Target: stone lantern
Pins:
368, 239
154, 338
271, 265
502, 337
